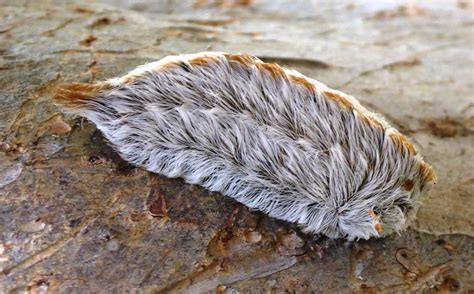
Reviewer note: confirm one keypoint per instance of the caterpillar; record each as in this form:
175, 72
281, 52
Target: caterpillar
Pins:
269, 137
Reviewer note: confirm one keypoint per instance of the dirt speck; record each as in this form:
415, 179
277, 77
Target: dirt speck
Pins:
105, 21
87, 41
447, 127
365, 289
449, 285
100, 22
157, 203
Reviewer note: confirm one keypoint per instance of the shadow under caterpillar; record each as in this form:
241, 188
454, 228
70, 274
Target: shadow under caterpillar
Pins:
268, 137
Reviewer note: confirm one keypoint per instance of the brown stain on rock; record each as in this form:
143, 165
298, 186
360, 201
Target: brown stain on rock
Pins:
211, 22
87, 41
100, 22
449, 285
448, 127
222, 3
365, 289
105, 21
157, 206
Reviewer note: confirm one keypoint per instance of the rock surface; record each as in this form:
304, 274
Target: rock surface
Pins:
75, 218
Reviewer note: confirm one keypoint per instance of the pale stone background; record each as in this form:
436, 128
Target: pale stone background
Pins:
74, 218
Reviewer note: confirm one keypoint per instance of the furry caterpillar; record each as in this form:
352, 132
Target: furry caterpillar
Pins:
268, 137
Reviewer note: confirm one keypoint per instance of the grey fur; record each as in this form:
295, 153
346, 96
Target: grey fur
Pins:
268, 137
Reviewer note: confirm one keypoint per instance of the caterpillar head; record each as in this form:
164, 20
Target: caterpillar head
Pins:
377, 212
395, 214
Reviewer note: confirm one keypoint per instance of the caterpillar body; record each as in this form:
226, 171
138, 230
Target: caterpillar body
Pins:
268, 137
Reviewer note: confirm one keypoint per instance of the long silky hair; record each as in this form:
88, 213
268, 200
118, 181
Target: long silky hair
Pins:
268, 137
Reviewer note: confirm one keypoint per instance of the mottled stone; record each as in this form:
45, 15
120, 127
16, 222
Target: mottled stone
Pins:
75, 218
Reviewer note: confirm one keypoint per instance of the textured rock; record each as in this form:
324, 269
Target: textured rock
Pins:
73, 216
